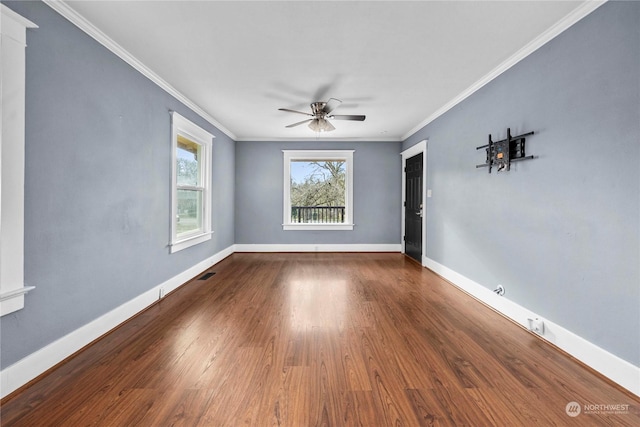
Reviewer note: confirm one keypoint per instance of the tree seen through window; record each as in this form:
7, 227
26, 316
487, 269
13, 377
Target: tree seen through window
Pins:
318, 191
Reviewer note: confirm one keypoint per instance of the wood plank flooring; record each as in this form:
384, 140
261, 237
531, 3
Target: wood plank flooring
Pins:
319, 340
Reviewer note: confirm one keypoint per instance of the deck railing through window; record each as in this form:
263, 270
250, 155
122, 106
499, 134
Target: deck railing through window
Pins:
317, 214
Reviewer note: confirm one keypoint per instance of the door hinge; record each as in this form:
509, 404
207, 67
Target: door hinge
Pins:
405, 169
404, 238
404, 203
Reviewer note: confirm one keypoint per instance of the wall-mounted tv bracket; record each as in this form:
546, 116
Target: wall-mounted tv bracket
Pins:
502, 153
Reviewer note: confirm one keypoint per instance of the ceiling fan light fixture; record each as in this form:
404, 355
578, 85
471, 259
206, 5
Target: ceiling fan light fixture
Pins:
321, 113
314, 126
320, 125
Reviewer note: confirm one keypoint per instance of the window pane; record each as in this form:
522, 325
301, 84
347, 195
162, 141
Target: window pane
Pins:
187, 165
189, 211
318, 191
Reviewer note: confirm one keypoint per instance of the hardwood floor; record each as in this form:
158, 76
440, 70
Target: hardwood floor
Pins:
319, 340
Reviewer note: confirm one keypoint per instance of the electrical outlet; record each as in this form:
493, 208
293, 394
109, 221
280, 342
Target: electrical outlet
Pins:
536, 325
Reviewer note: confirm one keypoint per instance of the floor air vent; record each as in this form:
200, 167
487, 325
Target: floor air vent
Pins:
206, 276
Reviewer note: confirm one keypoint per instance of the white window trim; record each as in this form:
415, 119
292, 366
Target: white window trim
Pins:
289, 155
12, 153
193, 132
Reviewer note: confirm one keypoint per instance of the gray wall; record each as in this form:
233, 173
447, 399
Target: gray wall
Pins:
560, 232
98, 179
259, 193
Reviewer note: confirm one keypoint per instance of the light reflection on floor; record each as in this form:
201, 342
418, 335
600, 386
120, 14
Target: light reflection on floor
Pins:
317, 303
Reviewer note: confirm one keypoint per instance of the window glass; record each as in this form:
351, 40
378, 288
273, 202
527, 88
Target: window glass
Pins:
318, 190
191, 192
187, 165
189, 209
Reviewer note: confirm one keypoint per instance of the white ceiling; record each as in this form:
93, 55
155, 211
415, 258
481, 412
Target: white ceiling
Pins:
399, 63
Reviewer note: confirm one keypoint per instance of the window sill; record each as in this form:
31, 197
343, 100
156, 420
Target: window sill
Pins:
289, 227
190, 241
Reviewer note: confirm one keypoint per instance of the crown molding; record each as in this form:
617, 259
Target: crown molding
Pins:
321, 139
576, 15
79, 21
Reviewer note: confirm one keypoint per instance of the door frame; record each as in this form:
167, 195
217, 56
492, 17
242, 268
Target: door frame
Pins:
420, 147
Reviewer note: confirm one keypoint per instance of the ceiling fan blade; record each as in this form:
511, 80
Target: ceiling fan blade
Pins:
348, 117
331, 105
299, 123
294, 111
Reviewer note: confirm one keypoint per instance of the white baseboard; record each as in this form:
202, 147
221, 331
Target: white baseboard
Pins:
28, 368
23, 371
364, 247
618, 370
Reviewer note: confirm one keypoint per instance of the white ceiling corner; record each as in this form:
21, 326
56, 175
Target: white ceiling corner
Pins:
402, 64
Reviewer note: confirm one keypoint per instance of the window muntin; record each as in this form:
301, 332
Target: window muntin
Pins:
318, 191
191, 196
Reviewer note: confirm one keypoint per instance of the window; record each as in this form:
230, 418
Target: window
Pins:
191, 195
318, 190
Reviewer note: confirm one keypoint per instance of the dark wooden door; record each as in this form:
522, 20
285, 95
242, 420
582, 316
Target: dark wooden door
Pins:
413, 208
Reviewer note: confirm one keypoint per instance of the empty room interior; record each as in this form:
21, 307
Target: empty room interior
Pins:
294, 213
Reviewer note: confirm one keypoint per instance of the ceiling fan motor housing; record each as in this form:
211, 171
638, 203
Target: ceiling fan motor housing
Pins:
321, 112
317, 108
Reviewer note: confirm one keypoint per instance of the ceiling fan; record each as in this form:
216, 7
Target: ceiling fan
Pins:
321, 114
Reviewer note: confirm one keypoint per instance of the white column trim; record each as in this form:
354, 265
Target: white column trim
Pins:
13, 36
